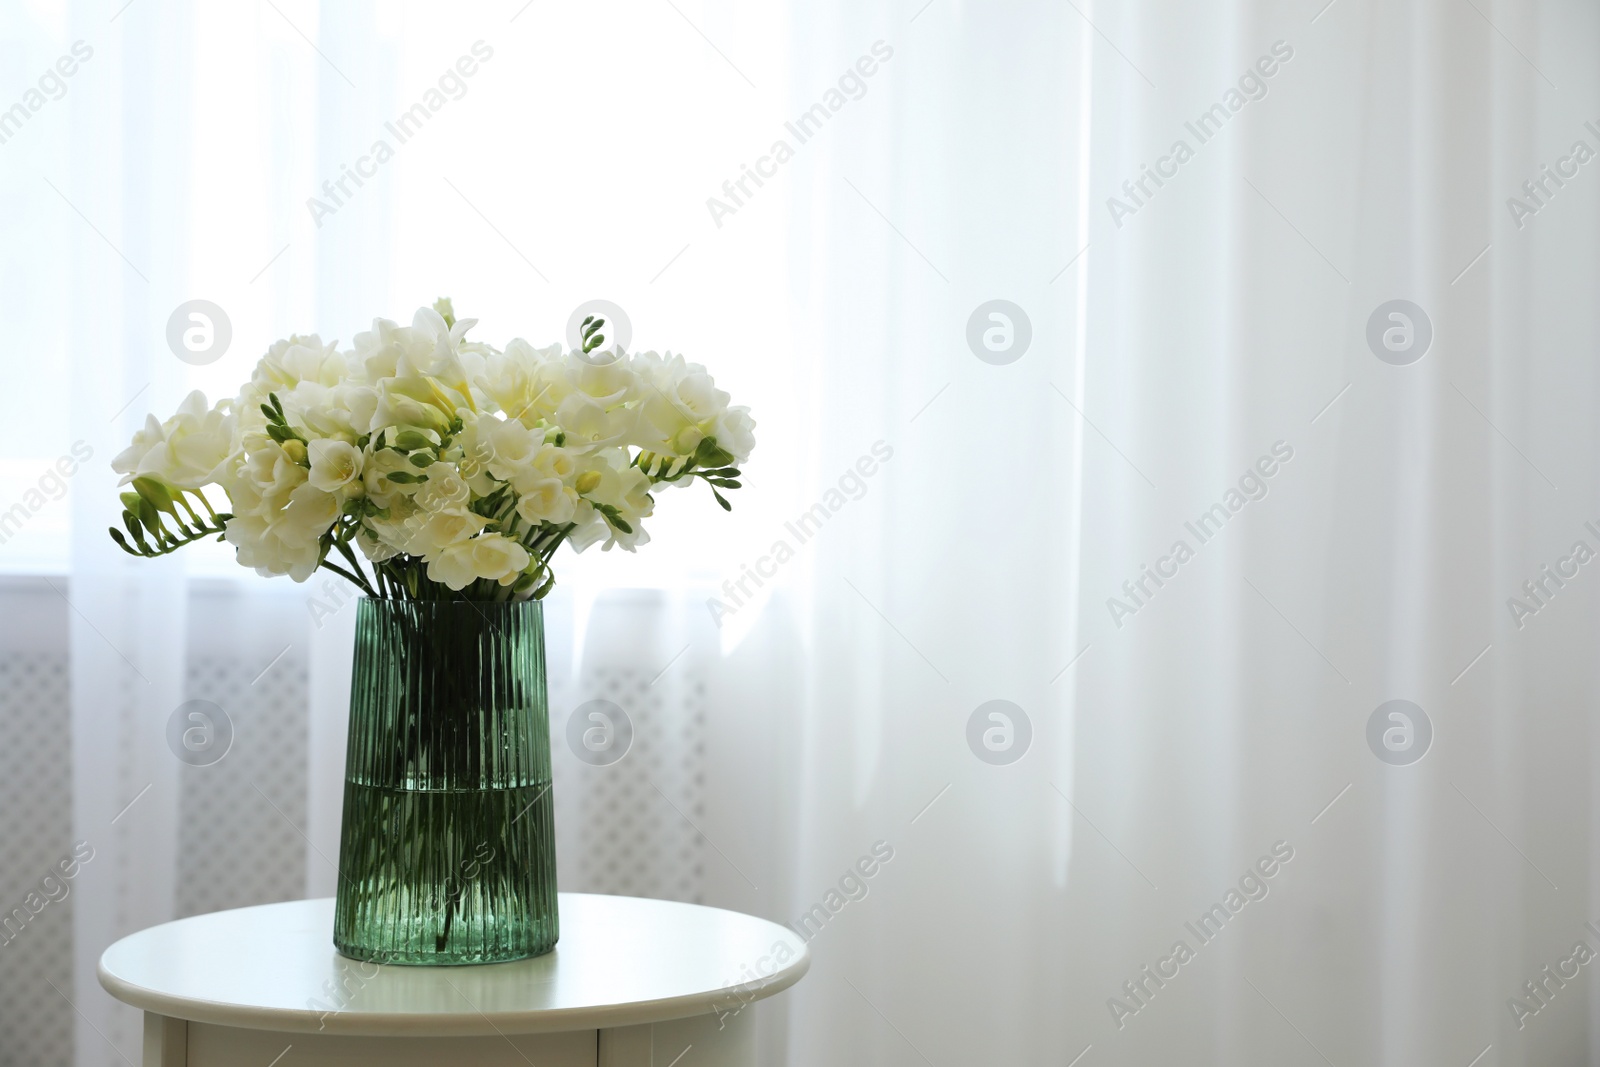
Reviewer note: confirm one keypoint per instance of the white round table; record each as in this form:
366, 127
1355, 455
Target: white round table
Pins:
632, 983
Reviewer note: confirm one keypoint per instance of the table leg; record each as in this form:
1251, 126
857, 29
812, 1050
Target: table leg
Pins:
166, 1041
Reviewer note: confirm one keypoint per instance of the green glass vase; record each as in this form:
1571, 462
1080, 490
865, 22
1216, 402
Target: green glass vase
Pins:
447, 851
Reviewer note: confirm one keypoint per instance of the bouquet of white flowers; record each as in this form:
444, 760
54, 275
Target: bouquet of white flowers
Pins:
455, 468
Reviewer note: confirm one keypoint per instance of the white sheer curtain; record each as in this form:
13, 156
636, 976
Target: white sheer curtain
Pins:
1216, 320
955, 530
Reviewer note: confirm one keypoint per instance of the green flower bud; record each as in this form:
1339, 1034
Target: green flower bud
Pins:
410, 440
156, 493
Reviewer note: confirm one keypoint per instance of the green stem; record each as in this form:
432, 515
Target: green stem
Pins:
546, 553
206, 504
182, 498
357, 582
345, 551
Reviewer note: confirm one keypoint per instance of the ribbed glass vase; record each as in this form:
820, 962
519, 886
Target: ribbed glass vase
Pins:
447, 853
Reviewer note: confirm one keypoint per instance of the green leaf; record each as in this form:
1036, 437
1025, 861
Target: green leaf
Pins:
421, 459
725, 505
402, 478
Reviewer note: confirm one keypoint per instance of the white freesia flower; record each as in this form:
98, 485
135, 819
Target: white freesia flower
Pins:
514, 381
413, 402
547, 500
186, 451
444, 489
261, 549
148, 439
439, 459
680, 404
335, 466
492, 556
342, 411
512, 447
612, 483
262, 490
735, 432
299, 359
271, 472
453, 568
307, 516
498, 558
287, 366
553, 461
434, 532
375, 547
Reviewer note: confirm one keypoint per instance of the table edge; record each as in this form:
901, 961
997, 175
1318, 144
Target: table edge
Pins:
465, 1024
